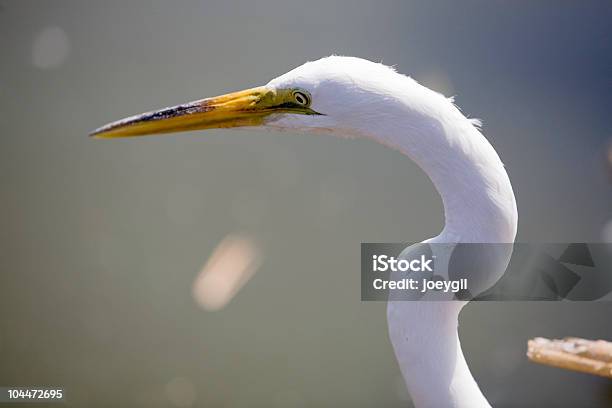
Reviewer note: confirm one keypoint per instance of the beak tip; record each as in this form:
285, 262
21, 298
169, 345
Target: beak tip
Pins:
100, 133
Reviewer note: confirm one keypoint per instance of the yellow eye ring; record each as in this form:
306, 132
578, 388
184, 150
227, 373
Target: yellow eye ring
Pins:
302, 98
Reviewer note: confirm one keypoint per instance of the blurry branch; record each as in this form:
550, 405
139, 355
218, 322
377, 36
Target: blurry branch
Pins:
587, 356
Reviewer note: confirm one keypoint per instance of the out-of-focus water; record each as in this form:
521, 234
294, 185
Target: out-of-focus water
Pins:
101, 240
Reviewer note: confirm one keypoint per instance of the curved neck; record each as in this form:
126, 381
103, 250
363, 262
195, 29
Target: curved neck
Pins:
479, 206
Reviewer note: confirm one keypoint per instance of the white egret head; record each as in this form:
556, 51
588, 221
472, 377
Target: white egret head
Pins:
334, 95
348, 93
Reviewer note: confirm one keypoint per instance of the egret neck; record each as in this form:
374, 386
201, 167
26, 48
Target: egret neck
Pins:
479, 206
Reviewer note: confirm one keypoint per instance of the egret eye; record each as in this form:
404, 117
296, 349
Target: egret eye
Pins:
301, 98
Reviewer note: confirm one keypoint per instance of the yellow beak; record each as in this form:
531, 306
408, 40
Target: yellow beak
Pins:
244, 108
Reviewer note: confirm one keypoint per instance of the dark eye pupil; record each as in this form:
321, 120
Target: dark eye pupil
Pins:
300, 98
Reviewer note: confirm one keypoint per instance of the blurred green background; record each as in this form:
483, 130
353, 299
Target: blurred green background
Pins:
101, 240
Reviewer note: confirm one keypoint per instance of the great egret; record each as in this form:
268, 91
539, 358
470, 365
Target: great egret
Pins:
353, 97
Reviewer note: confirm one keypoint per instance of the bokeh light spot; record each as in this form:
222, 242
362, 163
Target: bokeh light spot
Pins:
51, 48
180, 392
228, 269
